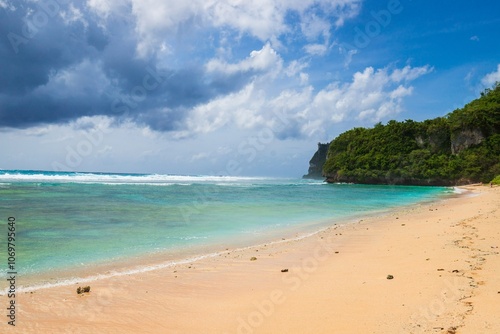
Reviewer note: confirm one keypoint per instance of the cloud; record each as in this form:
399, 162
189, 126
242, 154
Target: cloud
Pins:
313, 27
5, 4
265, 20
490, 79
117, 61
372, 95
347, 54
295, 67
408, 73
200, 156
72, 15
316, 49
241, 108
262, 19
258, 61
73, 67
474, 38
151, 62
304, 78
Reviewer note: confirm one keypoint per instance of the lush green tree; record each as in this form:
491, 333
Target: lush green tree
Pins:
412, 152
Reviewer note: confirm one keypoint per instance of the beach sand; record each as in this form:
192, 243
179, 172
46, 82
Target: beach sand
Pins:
443, 257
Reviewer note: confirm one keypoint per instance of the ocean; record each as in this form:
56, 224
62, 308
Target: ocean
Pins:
70, 225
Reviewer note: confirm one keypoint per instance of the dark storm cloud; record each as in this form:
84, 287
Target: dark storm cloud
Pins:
27, 58
163, 100
27, 111
97, 38
37, 47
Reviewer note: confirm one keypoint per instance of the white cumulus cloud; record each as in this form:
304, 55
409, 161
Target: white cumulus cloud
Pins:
259, 60
371, 95
265, 20
490, 79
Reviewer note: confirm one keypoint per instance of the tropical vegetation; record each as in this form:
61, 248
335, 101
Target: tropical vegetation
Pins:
462, 147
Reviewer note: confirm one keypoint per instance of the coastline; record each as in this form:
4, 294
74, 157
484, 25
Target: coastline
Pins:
132, 226
142, 263
336, 282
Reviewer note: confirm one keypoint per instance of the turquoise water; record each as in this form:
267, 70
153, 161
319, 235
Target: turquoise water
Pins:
73, 220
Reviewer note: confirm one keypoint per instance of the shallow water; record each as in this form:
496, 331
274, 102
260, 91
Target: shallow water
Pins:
67, 221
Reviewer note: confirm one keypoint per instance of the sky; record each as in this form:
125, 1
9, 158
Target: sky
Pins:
227, 87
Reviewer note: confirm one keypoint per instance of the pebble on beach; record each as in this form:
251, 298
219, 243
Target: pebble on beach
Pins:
81, 290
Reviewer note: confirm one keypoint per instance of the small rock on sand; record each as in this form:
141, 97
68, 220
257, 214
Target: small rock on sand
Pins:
253, 258
81, 290
390, 277
284, 270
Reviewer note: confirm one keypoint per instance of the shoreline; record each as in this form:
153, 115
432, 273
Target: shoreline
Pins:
441, 255
156, 261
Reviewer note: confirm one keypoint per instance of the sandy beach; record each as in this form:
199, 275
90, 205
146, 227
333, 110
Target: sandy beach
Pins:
427, 268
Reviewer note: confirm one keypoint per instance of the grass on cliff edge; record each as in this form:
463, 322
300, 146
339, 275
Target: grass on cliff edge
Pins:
496, 180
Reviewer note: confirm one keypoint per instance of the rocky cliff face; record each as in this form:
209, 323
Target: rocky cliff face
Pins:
464, 139
317, 161
436, 142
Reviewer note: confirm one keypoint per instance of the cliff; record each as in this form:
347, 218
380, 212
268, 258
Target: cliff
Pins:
466, 138
317, 162
462, 147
